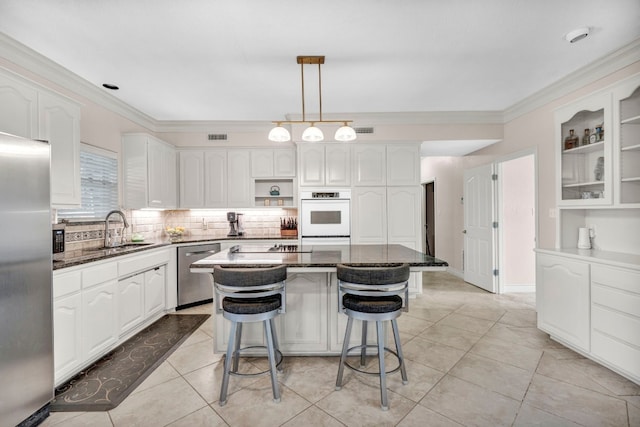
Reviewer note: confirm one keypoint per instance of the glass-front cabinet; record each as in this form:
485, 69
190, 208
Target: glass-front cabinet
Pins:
584, 135
627, 149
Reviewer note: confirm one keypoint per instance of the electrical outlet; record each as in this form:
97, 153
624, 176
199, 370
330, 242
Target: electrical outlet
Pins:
552, 212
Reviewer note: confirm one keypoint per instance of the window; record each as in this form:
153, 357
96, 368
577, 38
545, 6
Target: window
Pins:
98, 184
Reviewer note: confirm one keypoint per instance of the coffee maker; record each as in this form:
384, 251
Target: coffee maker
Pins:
235, 224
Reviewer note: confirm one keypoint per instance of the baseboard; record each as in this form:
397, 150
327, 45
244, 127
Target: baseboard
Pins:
456, 272
525, 287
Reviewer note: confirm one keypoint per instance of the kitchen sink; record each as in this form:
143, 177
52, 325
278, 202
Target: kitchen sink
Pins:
130, 245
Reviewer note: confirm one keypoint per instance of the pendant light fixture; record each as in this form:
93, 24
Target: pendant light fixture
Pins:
312, 134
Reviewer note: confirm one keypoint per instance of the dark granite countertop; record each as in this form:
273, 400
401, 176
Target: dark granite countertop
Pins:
79, 257
321, 256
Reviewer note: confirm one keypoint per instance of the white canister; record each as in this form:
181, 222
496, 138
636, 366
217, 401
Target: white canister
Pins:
584, 240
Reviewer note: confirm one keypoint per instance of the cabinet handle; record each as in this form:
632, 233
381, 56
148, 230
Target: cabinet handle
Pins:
213, 251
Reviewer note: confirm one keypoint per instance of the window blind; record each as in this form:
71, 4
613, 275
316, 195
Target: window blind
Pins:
98, 184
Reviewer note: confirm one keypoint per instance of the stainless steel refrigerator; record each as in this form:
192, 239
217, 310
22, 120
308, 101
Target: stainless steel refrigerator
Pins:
26, 325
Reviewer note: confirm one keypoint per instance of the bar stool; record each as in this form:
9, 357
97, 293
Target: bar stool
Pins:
373, 294
250, 295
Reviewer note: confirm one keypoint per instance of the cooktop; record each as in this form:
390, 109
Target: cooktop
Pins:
277, 248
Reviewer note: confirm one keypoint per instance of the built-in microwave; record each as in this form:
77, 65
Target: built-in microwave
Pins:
57, 238
325, 214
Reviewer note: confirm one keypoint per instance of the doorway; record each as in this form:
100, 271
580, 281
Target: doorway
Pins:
429, 218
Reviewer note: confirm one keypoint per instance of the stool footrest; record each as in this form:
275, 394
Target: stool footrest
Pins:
359, 347
279, 358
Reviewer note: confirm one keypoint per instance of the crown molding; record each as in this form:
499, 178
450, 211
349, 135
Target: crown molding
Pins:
44, 67
213, 126
598, 69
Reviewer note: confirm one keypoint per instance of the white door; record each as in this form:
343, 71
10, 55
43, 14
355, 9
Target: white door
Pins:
479, 238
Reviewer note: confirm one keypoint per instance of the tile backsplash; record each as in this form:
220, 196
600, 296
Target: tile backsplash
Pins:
197, 223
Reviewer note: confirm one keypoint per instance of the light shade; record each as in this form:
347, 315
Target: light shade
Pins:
345, 134
312, 134
279, 134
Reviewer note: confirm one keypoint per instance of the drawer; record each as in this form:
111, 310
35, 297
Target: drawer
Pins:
66, 283
628, 280
616, 324
137, 263
617, 354
99, 274
616, 299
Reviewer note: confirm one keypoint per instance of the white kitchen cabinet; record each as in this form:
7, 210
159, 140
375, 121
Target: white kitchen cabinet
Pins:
59, 123
192, 180
99, 318
403, 164
615, 318
404, 216
273, 163
67, 323
563, 299
239, 179
369, 165
323, 165
626, 161
304, 330
31, 111
215, 179
18, 107
130, 302
149, 172
154, 291
369, 215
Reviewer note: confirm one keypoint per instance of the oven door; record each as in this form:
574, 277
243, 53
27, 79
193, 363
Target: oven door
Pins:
325, 218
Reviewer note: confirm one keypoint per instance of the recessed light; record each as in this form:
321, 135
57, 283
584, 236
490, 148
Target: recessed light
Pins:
110, 86
577, 34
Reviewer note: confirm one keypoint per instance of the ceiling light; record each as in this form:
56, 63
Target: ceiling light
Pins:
577, 34
312, 133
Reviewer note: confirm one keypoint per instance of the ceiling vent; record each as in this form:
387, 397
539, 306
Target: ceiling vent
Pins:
217, 137
364, 130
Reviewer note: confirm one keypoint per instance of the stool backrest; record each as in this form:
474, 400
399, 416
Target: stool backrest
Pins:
373, 281
244, 282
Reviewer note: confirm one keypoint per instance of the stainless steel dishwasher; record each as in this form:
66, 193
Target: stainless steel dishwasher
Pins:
194, 288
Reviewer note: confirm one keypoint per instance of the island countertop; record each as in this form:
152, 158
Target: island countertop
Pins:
324, 257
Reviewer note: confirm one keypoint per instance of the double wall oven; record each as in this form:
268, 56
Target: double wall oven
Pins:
325, 217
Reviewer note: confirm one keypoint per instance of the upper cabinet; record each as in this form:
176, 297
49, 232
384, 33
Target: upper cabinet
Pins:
149, 172
584, 136
324, 165
386, 164
403, 164
273, 163
626, 112
18, 108
369, 165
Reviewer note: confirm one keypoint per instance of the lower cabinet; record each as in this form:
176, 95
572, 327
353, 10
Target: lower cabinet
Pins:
99, 305
562, 299
592, 307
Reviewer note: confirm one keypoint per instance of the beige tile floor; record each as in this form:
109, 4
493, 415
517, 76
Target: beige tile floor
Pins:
473, 359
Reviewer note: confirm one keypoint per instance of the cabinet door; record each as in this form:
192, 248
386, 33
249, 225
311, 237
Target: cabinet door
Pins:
303, 328
337, 165
18, 108
369, 165
262, 163
311, 164
156, 178
192, 175
238, 179
403, 164
99, 323
215, 178
59, 123
626, 161
67, 333
154, 290
369, 215
170, 178
284, 163
130, 302
404, 216
562, 299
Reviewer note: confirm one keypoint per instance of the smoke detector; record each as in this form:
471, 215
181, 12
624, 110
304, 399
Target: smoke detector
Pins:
577, 34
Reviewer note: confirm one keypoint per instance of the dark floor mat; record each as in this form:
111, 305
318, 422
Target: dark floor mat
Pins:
110, 380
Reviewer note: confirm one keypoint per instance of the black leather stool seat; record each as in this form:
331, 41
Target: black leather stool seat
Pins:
366, 304
240, 277
251, 305
373, 275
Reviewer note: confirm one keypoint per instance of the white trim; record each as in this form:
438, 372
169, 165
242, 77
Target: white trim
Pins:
458, 273
519, 288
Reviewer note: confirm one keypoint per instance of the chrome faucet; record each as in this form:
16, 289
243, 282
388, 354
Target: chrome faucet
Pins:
107, 237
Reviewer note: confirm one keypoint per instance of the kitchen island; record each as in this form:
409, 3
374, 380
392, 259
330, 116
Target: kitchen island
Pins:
312, 324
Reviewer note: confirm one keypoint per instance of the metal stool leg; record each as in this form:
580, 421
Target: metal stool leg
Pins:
227, 364
383, 375
276, 345
396, 337
272, 360
343, 355
236, 351
363, 349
